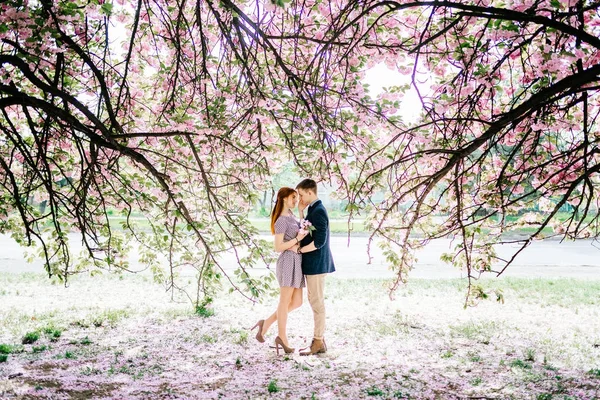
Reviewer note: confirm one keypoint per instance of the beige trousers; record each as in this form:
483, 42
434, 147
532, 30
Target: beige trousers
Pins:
315, 285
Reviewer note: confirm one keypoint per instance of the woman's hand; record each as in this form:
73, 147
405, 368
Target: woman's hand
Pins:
302, 206
301, 235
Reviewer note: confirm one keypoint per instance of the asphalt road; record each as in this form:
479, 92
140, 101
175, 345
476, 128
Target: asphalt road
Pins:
547, 259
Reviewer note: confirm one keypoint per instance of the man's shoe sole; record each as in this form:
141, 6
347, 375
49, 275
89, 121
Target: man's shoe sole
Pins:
311, 354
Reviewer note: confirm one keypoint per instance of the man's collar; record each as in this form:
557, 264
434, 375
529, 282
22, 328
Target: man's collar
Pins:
312, 203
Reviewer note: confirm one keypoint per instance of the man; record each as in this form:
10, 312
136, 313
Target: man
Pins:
316, 259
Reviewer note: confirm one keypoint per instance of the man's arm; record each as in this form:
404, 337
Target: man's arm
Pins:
319, 235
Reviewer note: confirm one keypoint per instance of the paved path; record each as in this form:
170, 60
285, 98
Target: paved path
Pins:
545, 259
541, 259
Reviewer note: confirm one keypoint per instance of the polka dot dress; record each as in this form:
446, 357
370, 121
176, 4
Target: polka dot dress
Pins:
289, 263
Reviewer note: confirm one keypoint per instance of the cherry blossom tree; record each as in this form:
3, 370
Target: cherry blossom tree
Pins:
182, 111
509, 125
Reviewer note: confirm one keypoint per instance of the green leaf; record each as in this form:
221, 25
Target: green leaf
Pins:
511, 27
69, 8
106, 9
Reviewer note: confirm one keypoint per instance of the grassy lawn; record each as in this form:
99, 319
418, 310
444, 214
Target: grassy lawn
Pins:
338, 225
263, 225
122, 337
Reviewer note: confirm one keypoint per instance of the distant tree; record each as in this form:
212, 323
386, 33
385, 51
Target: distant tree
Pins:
182, 111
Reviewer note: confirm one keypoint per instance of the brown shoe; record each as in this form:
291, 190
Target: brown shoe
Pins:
259, 335
279, 342
317, 346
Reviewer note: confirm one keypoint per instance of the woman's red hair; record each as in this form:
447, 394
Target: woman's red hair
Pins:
282, 194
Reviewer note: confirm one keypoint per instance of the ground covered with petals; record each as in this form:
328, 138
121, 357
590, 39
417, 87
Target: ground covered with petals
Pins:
123, 337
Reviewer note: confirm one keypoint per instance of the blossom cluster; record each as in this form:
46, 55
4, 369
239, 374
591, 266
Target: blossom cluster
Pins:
306, 227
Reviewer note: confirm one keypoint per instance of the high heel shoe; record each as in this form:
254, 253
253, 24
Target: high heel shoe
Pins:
259, 335
279, 342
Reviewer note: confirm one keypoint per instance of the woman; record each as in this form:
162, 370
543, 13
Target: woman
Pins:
285, 227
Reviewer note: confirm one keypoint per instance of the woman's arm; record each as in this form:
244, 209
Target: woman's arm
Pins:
281, 246
301, 207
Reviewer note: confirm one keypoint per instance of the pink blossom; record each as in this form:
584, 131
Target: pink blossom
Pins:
269, 6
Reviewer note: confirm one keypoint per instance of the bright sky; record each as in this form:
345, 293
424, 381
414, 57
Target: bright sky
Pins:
377, 77
381, 76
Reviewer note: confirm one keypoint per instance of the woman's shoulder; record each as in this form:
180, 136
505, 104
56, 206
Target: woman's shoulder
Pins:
287, 218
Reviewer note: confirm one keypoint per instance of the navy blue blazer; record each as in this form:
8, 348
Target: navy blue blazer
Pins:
319, 261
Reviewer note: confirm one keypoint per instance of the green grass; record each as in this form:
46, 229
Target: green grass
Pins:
482, 331
204, 312
52, 333
107, 318
520, 364
88, 371
11, 349
30, 337
447, 354
530, 355
261, 224
272, 386
594, 372
242, 338
375, 391
208, 339
476, 381
6, 348
39, 349
203, 309
335, 225
462, 336
338, 223
561, 292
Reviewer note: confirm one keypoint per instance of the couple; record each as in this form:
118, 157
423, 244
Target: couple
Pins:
305, 257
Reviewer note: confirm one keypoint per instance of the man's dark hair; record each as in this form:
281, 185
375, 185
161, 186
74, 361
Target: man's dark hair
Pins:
307, 184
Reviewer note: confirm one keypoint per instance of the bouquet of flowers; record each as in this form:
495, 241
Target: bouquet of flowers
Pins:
306, 227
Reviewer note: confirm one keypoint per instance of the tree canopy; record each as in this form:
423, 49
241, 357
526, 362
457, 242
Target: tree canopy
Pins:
180, 112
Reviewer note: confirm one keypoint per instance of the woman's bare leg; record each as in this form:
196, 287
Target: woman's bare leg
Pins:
295, 302
285, 298
268, 322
